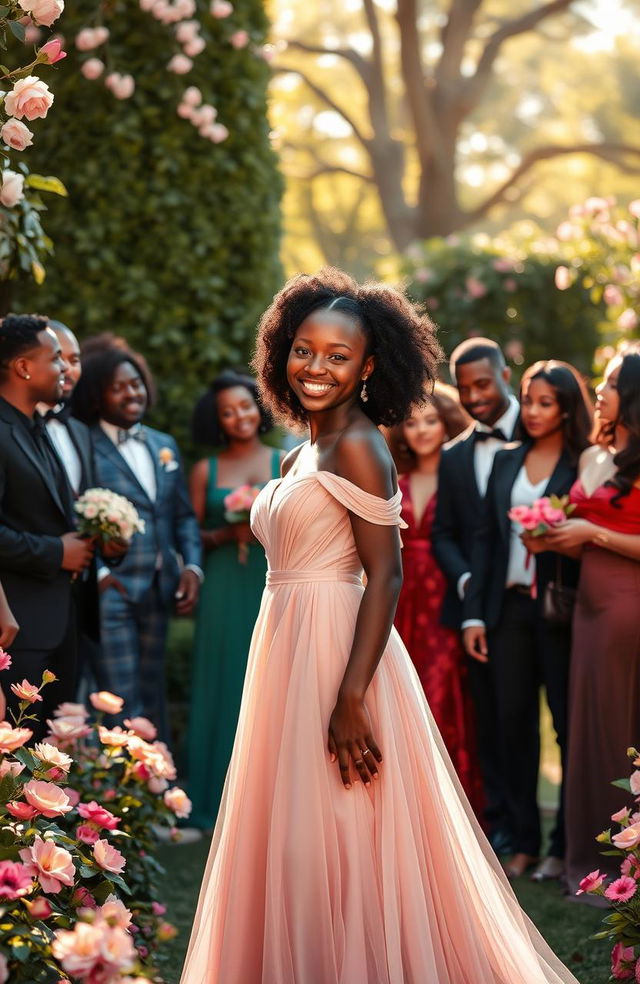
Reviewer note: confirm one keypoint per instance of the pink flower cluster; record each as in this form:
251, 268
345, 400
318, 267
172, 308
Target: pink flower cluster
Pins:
105, 513
202, 115
241, 499
541, 515
99, 951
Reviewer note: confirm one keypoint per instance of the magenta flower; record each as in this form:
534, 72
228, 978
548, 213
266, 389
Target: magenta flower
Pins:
622, 889
621, 959
5, 660
591, 882
15, 880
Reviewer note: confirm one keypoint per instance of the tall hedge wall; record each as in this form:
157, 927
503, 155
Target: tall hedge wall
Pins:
166, 238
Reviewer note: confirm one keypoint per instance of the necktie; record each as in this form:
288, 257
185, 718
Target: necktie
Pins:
134, 433
51, 462
484, 435
61, 412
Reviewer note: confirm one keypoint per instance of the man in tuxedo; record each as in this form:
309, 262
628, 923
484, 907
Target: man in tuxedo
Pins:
40, 552
72, 442
162, 564
482, 377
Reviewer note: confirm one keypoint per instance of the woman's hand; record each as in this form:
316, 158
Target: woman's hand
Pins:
535, 544
241, 532
115, 548
350, 740
570, 534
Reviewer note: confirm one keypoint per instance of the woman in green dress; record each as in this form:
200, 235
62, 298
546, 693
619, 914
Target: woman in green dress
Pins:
229, 417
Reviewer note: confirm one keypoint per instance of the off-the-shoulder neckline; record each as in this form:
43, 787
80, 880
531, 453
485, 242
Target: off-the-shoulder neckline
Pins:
323, 471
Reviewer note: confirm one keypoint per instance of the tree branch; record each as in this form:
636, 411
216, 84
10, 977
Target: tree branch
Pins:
324, 97
606, 151
349, 54
428, 137
454, 37
475, 86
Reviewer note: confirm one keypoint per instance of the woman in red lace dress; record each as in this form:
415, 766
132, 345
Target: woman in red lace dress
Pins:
435, 650
604, 694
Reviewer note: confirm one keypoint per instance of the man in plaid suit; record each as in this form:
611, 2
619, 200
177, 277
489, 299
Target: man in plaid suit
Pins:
162, 565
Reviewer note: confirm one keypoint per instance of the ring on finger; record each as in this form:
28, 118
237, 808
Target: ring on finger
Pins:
365, 751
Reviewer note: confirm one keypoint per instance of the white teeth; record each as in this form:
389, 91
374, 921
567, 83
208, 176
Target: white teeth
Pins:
316, 387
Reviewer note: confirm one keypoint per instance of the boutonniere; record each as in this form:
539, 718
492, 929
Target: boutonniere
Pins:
167, 459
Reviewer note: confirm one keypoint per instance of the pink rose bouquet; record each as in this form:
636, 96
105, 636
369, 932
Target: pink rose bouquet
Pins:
107, 515
622, 926
545, 513
237, 509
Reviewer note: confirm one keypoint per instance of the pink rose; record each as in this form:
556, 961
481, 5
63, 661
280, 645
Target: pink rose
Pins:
142, 727
82, 898
21, 811
40, 908
621, 815
17, 136
15, 880
121, 86
67, 709
50, 864
5, 660
158, 909
157, 786
25, 690
47, 798
108, 857
475, 288
97, 814
115, 737
621, 955
94, 951
192, 96
628, 320
30, 97
67, 729
622, 889
43, 11
218, 134
178, 802
634, 782
187, 31
52, 51
87, 833
628, 838
107, 702
590, 883
12, 190
115, 912
239, 39
92, 69
195, 47
180, 65
13, 768
51, 756
73, 796
12, 738
221, 8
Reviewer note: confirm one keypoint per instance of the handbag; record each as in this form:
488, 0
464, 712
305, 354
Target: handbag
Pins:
558, 600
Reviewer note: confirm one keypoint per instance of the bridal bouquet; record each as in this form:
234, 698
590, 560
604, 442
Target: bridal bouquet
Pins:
622, 925
237, 506
107, 515
545, 513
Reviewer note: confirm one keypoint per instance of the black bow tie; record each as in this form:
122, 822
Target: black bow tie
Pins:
134, 433
62, 413
484, 435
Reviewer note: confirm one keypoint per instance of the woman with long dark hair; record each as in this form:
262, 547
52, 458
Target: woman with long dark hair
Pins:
435, 649
505, 621
230, 419
345, 851
604, 702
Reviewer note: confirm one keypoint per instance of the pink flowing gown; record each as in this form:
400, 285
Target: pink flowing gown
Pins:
309, 883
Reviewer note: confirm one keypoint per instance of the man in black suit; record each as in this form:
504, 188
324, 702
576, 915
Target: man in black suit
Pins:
479, 371
40, 552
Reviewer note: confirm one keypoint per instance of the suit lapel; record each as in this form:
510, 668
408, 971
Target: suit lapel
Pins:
510, 466
562, 477
153, 445
467, 449
105, 446
82, 443
39, 465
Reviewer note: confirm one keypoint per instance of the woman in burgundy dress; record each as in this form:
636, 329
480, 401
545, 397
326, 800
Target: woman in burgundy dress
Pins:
434, 649
604, 696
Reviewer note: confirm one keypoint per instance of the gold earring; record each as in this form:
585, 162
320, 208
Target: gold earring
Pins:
364, 396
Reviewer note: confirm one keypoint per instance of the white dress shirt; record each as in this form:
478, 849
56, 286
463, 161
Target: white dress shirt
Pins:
483, 454
522, 567
65, 448
137, 455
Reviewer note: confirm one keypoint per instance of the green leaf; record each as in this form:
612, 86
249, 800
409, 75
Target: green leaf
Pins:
17, 29
38, 271
42, 183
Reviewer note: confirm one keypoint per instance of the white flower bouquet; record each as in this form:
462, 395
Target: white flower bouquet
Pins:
107, 515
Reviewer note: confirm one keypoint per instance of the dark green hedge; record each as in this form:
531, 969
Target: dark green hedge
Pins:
166, 238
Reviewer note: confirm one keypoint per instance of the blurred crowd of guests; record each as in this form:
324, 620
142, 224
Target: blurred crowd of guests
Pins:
488, 612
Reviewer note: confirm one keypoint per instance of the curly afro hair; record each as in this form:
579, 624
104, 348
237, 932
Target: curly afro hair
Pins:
205, 424
401, 337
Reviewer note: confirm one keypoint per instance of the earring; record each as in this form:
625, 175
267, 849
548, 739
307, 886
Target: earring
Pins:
364, 396
27, 376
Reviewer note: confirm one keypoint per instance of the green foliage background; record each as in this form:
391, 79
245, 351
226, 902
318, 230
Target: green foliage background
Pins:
521, 308
166, 238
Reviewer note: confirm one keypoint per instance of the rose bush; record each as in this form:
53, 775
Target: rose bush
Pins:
78, 815
622, 924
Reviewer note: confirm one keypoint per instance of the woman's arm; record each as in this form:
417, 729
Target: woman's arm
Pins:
365, 461
575, 533
198, 481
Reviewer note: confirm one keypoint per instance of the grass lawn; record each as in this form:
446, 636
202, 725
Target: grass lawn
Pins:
566, 927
